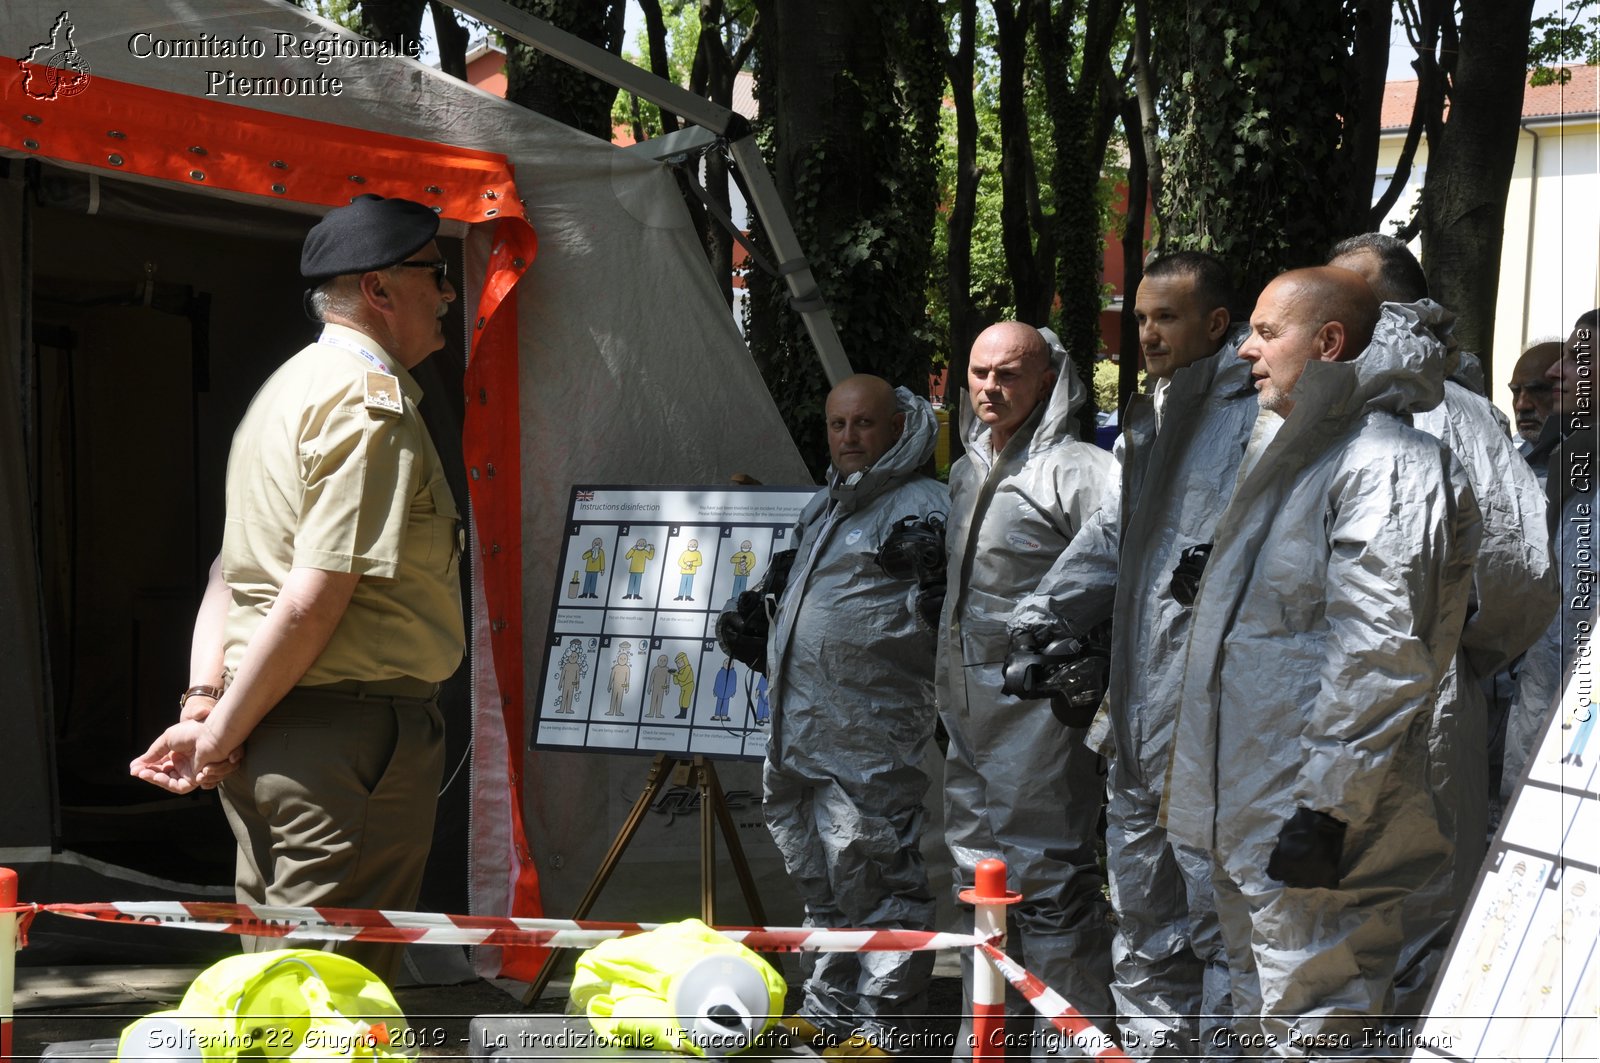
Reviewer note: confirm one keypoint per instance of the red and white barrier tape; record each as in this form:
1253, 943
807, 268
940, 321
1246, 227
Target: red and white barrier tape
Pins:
1047, 1002
352, 924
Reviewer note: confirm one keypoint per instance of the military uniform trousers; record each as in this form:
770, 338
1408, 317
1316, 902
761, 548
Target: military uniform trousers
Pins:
333, 805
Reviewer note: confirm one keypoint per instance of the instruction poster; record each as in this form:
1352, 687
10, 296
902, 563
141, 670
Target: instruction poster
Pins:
631, 662
1523, 977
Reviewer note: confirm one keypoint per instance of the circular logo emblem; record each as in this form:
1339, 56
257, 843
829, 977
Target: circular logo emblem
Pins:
69, 75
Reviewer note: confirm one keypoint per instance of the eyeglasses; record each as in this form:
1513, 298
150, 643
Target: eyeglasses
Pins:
440, 267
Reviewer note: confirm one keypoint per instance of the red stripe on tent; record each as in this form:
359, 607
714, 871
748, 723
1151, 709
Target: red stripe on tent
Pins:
121, 127
126, 128
492, 449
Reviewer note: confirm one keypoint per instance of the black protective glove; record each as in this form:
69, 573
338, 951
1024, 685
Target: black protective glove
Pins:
1072, 673
1308, 852
1082, 687
1186, 576
742, 631
914, 550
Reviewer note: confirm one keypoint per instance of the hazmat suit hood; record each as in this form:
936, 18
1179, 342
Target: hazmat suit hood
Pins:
1051, 421
909, 453
1401, 371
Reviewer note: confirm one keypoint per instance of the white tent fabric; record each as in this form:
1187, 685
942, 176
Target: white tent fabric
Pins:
631, 369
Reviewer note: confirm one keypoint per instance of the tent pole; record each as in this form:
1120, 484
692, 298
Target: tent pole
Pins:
804, 296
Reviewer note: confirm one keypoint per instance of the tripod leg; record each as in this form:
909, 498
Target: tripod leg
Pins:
741, 866
660, 771
708, 842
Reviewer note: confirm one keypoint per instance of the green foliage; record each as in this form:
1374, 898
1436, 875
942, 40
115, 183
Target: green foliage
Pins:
1105, 384
1565, 38
682, 19
346, 13
990, 286
1252, 116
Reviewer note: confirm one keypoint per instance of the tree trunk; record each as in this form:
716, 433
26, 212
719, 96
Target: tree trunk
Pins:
656, 32
853, 153
395, 22
1025, 232
1368, 70
1470, 164
551, 87
965, 323
1132, 253
1082, 128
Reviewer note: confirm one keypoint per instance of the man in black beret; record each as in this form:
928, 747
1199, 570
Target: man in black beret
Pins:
333, 611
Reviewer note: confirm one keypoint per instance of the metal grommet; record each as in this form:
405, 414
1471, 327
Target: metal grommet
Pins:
197, 150
116, 134
491, 194
517, 263
279, 189
35, 119
480, 322
30, 144
115, 160
197, 175
489, 468
358, 179
474, 472
491, 212
435, 190
278, 164
438, 210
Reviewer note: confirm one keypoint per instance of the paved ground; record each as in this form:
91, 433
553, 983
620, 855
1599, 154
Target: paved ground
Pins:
55, 1006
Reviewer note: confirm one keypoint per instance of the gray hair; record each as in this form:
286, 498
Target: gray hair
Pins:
336, 297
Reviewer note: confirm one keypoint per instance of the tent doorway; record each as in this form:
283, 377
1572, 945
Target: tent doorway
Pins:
153, 320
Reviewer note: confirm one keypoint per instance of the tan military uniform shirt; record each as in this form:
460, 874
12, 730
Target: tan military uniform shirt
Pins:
332, 468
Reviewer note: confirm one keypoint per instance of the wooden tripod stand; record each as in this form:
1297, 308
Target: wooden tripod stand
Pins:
713, 812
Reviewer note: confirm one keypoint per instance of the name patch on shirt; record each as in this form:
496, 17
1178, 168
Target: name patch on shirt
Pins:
383, 393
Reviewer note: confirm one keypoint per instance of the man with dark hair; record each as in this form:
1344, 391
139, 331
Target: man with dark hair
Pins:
334, 611
1179, 455
1513, 596
1019, 783
1386, 263
1331, 606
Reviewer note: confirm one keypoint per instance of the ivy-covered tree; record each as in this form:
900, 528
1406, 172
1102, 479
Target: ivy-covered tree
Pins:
1252, 105
551, 87
849, 94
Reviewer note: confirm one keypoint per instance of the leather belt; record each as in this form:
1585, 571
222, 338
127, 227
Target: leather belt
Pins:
400, 687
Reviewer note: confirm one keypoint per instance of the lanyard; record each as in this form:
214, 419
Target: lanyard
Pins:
345, 344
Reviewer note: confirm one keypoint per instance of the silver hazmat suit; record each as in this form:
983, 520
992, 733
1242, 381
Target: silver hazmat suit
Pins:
852, 710
1548, 665
1171, 967
1514, 592
1330, 611
1019, 785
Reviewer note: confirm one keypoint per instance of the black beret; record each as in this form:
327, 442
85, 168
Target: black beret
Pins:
371, 233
